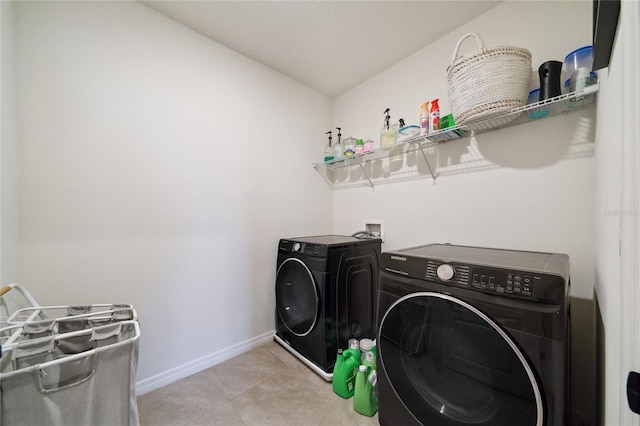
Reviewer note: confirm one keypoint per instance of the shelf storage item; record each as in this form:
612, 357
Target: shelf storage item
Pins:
377, 166
476, 82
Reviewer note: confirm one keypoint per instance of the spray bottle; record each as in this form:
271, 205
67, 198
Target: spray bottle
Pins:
424, 118
434, 116
328, 150
388, 132
337, 147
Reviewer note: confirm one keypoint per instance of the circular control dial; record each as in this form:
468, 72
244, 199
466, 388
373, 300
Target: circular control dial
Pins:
445, 272
296, 246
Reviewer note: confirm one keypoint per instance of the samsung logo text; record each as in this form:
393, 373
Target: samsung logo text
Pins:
404, 259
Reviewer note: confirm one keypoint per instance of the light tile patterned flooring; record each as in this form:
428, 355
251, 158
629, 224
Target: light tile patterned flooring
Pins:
266, 386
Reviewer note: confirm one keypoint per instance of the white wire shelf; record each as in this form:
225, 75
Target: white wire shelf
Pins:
364, 169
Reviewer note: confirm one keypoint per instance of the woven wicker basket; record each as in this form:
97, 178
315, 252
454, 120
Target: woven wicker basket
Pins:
488, 83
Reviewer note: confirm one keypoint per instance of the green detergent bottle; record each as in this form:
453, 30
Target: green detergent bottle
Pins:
364, 398
344, 373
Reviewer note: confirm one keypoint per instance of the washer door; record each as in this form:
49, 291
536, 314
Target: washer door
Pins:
450, 364
297, 297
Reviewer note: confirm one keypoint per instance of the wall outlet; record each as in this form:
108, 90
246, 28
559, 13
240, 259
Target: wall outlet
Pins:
375, 227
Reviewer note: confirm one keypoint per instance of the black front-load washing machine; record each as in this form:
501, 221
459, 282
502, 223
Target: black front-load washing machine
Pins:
326, 288
473, 336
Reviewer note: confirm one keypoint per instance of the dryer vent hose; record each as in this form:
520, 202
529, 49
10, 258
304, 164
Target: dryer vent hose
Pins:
365, 235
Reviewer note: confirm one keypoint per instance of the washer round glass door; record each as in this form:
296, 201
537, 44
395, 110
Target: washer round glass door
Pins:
450, 364
297, 299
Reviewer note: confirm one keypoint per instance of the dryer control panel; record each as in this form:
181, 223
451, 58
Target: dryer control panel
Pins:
507, 282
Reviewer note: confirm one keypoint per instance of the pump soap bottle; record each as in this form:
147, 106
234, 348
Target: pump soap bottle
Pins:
388, 132
337, 147
328, 150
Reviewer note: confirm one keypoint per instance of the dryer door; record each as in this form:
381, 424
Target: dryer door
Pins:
450, 364
297, 297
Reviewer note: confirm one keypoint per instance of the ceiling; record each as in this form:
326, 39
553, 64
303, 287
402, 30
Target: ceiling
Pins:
331, 46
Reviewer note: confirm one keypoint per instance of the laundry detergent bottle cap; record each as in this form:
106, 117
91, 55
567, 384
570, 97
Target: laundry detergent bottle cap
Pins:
354, 350
369, 360
365, 347
354, 344
366, 344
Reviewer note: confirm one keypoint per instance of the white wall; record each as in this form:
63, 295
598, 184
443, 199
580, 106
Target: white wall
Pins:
160, 168
8, 152
536, 195
616, 219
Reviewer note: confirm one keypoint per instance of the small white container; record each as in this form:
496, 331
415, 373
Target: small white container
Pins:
349, 147
579, 81
579, 58
407, 132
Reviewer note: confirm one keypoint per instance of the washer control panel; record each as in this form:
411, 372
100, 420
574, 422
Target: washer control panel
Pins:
482, 278
309, 249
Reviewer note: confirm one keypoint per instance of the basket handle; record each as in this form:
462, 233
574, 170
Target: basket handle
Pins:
466, 36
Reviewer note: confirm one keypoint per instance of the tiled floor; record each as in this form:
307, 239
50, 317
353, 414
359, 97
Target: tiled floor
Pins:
266, 386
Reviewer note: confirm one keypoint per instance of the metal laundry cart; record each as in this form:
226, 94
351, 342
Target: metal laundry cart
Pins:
68, 365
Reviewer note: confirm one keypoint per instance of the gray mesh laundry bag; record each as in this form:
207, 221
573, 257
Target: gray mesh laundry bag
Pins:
47, 385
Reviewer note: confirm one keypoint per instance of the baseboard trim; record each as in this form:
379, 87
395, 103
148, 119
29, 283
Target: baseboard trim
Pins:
192, 367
